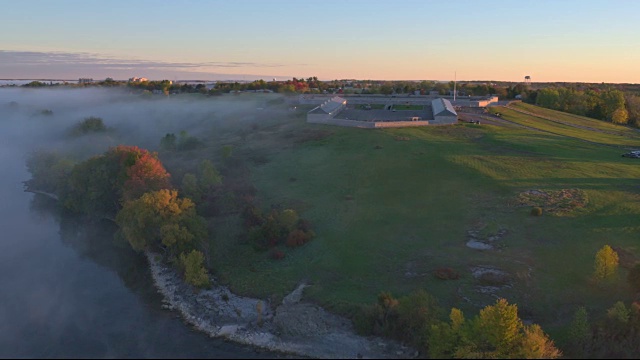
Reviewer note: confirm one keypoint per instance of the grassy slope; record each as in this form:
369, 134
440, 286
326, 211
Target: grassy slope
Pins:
406, 207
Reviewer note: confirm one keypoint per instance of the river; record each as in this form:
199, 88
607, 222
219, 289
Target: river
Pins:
67, 290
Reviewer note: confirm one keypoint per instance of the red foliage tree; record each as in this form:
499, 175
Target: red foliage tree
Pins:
146, 174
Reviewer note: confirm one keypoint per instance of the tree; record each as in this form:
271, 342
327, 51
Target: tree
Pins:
499, 328
496, 332
606, 263
612, 101
633, 109
620, 116
445, 338
192, 264
146, 174
49, 171
89, 125
619, 313
162, 219
537, 345
579, 330
209, 176
190, 187
168, 142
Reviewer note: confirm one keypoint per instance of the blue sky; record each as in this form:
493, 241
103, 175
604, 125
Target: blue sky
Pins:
582, 41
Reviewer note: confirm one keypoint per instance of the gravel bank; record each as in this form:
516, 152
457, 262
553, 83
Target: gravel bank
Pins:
295, 327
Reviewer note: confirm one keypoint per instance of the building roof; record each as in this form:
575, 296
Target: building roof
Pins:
332, 104
443, 107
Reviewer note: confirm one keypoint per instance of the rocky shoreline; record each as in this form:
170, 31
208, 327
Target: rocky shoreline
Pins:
294, 327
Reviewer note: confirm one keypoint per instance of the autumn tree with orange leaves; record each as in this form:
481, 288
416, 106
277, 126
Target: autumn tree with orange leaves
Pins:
101, 184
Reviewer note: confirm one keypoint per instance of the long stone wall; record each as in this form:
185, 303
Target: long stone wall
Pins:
340, 122
365, 124
317, 99
393, 124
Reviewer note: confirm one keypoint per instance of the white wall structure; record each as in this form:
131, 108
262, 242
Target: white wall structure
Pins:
443, 112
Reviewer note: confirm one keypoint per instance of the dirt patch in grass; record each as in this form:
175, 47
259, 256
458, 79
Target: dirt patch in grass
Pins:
556, 202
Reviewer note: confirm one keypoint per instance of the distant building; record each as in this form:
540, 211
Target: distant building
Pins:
327, 109
443, 112
138, 79
85, 81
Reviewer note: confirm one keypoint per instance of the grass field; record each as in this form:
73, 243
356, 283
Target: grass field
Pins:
372, 106
571, 125
391, 206
408, 107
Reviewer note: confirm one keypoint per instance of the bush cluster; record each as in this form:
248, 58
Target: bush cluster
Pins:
267, 231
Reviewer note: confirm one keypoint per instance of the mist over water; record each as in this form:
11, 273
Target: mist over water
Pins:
67, 288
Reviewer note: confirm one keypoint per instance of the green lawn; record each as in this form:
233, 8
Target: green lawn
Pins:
408, 107
388, 212
372, 106
596, 131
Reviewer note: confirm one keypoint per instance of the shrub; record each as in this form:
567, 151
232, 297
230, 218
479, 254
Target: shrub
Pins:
193, 267
536, 211
88, 125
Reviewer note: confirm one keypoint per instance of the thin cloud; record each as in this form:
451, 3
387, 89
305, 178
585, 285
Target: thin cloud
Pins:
82, 59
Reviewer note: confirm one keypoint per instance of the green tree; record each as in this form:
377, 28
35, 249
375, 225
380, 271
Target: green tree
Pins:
89, 125
49, 171
168, 142
619, 313
190, 187
633, 109
417, 313
606, 263
445, 338
162, 219
579, 330
499, 328
192, 264
612, 102
209, 176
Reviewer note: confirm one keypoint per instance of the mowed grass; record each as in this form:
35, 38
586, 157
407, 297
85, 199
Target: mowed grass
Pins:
570, 126
408, 107
391, 206
579, 121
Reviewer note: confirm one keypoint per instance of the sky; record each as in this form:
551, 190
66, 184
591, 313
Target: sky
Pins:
559, 40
